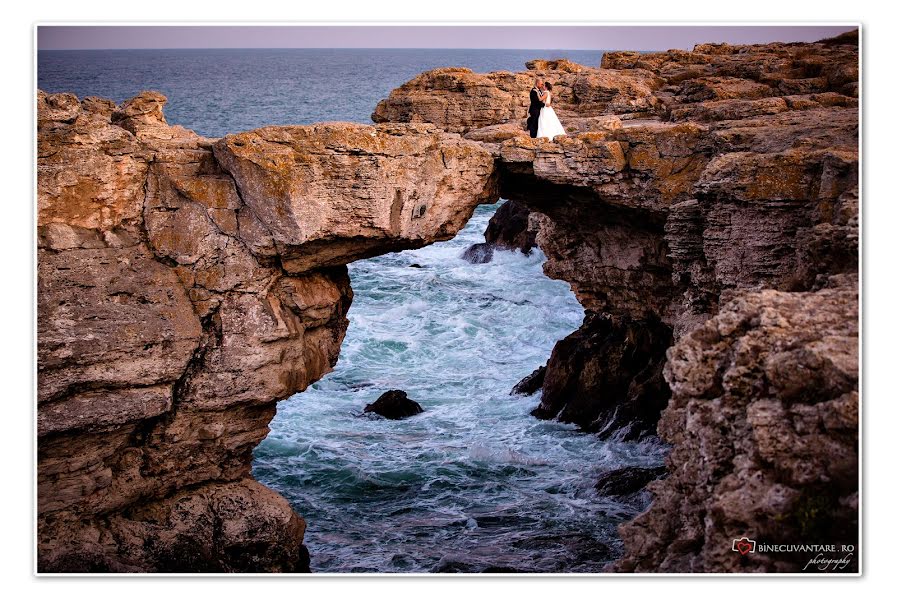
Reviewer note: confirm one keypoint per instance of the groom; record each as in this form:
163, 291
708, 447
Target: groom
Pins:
535, 107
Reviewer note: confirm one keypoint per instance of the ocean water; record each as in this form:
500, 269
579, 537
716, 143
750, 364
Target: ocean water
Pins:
474, 483
215, 92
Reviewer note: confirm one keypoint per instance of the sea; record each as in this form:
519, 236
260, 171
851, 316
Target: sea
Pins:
474, 483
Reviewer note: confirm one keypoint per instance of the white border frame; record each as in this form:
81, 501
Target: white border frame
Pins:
861, 550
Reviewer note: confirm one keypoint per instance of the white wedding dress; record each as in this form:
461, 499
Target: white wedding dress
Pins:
549, 125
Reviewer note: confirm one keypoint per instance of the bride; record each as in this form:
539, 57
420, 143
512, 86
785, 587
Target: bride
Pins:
549, 125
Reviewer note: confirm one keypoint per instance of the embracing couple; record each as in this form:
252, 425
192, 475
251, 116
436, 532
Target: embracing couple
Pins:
542, 122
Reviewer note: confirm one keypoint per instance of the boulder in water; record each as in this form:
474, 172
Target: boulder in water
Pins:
479, 253
394, 404
607, 377
509, 228
530, 384
627, 480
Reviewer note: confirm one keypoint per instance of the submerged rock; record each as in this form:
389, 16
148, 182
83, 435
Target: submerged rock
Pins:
627, 480
530, 384
571, 548
479, 253
394, 404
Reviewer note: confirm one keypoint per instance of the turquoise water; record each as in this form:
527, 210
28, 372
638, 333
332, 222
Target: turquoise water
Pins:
474, 482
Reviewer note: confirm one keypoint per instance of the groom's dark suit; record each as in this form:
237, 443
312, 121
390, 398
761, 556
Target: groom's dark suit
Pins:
535, 107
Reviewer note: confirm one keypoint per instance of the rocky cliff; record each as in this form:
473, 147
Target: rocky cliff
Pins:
187, 284
763, 425
689, 180
184, 286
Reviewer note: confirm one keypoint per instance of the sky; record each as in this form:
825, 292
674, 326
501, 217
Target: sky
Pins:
574, 37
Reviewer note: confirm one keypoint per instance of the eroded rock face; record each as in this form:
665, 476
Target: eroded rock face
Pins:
607, 377
739, 178
239, 526
724, 71
763, 422
333, 193
184, 286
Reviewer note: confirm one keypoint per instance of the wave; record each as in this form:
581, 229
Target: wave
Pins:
474, 483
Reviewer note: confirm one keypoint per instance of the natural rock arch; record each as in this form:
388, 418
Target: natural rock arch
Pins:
186, 284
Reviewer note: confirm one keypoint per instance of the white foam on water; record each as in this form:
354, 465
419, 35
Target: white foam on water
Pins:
474, 482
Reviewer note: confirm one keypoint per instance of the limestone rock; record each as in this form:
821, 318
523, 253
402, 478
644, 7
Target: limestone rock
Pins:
497, 133
560, 64
236, 527
703, 173
90, 172
184, 287
459, 100
419, 185
606, 377
117, 328
764, 423
140, 112
821, 66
